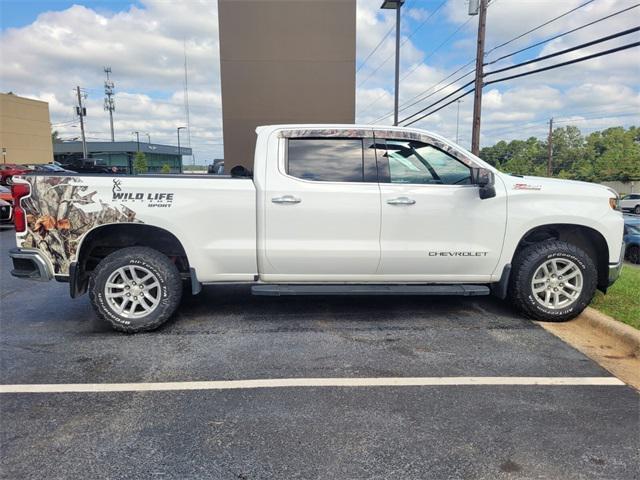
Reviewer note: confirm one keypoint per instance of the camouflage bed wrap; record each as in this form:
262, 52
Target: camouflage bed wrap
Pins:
60, 211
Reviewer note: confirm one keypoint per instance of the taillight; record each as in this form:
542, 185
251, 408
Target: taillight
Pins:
18, 192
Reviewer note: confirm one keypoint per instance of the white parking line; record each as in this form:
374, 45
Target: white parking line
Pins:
309, 382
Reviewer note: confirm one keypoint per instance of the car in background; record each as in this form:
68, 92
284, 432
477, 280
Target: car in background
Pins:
632, 238
6, 211
216, 168
50, 168
631, 203
84, 165
6, 204
7, 170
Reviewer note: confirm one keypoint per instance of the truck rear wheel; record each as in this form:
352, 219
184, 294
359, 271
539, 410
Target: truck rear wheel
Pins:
135, 289
552, 281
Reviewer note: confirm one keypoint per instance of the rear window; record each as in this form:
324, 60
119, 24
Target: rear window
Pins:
326, 159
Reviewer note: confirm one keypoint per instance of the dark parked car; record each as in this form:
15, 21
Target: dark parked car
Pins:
632, 238
50, 168
84, 165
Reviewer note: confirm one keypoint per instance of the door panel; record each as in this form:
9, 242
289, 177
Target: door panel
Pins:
434, 225
316, 227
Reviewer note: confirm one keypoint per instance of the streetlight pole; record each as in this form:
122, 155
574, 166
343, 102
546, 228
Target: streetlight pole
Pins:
395, 5
179, 150
148, 137
137, 134
458, 120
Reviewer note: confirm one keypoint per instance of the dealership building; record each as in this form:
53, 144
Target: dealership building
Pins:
25, 130
122, 154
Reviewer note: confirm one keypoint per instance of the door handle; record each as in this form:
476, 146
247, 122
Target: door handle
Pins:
401, 201
286, 199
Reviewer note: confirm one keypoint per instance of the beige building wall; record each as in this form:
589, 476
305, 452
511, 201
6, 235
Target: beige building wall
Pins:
25, 130
284, 61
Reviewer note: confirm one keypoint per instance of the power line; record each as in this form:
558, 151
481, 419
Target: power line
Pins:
537, 44
540, 26
567, 50
531, 72
405, 105
528, 62
375, 49
568, 62
438, 101
441, 107
418, 65
402, 43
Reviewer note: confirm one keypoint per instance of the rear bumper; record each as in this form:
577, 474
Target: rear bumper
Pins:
616, 268
30, 264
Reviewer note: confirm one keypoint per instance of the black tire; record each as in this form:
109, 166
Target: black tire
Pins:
524, 267
633, 254
637, 210
169, 291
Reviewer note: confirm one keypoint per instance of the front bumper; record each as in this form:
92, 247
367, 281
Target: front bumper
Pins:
616, 268
30, 264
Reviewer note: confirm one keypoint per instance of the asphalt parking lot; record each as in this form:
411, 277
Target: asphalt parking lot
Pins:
381, 432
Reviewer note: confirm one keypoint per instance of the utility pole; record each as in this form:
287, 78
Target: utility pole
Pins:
550, 149
477, 97
109, 104
82, 112
137, 134
148, 137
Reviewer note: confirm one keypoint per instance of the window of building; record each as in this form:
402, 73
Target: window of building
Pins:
326, 159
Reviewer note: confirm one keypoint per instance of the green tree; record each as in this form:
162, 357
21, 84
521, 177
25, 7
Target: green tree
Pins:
140, 163
610, 154
166, 168
55, 137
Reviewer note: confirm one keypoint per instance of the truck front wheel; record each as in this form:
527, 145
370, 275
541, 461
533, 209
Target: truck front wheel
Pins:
135, 289
552, 281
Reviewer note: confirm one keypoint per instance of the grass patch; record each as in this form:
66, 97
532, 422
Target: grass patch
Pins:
622, 300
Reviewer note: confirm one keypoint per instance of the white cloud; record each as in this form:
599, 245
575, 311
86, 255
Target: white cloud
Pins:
144, 47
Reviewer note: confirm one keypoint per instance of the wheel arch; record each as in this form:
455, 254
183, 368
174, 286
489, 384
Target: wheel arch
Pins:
591, 241
102, 240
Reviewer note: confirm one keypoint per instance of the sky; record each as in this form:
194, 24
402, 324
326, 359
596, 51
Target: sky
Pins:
48, 47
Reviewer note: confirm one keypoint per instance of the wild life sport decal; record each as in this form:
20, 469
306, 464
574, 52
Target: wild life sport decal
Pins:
60, 211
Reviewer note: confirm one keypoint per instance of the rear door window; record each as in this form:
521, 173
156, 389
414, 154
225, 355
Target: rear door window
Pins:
326, 159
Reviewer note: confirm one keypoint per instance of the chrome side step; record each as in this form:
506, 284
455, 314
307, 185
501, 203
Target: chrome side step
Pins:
277, 290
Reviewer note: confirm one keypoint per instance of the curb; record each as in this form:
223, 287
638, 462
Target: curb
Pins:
622, 332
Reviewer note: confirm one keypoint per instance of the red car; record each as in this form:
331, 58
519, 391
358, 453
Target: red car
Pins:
9, 169
6, 205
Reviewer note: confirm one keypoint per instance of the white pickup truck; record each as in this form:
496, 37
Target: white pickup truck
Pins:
328, 209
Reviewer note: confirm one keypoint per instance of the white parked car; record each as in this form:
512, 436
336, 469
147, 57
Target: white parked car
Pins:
330, 209
631, 203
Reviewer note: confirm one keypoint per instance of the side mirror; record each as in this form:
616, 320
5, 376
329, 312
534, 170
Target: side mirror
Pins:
485, 179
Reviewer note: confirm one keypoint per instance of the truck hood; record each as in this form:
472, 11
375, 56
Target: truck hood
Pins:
556, 185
